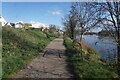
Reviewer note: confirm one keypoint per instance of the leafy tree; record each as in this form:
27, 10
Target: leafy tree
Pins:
52, 28
69, 21
26, 25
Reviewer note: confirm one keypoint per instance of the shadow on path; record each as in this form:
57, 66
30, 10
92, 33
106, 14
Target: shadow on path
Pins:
52, 63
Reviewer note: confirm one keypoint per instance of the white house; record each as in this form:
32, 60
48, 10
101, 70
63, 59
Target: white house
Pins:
19, 24
58, 31
39, 25
3, 22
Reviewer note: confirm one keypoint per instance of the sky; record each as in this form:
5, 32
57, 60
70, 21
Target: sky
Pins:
43, 12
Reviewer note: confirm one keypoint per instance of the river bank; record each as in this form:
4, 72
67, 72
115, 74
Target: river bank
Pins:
88, 67
107, 50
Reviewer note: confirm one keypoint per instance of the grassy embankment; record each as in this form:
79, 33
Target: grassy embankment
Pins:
88, 67
20, 46
0, 52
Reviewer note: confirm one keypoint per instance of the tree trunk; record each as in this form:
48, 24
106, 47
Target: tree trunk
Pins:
72, 34
118, 47
118, 63
81, 46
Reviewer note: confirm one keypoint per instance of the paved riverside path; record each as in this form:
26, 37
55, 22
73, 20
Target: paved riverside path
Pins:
52, 65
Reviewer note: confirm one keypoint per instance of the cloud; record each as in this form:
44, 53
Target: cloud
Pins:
55, 12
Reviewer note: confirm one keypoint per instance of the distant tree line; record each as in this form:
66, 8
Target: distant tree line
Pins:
105, 33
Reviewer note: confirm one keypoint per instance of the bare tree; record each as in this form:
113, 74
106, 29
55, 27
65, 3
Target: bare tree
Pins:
111, 22
82, 17
86, 17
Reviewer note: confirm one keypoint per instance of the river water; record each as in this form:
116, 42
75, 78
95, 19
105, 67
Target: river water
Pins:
107, 49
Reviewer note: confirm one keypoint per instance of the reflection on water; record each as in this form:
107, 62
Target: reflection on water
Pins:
106, 49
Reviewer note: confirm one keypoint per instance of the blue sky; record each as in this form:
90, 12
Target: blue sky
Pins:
44, 12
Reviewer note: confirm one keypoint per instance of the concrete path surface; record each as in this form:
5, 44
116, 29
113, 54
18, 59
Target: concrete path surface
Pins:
49, 64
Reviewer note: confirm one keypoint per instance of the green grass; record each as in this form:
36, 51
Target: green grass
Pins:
88, 67
19, 46
0, 52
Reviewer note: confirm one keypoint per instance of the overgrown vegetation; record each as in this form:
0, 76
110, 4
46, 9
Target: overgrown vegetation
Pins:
19, 46
88, 67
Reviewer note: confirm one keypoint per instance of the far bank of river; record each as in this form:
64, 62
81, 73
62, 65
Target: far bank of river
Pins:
106, 49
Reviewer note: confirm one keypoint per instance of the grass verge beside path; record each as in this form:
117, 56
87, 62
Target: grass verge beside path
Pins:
19, 46
90, 66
